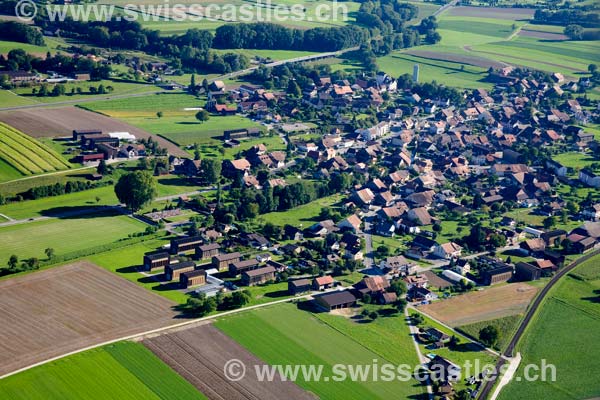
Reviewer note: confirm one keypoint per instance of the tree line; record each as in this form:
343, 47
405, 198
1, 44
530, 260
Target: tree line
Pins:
277, 37
567, 17
17, 32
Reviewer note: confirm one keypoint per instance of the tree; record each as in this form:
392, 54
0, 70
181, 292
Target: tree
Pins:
462, 395
417, 319
293, 89
549, 222
592, 68
488, 335
102, 168
13, 261
202, 116
192, 87
159, 114
49, 253
136, 189
373, 315
574, 32
201, 305
211, 170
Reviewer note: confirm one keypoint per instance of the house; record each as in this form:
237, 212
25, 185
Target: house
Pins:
442, 370
435, 336
462, 267
155, 260
238, 267
189, 167
533, 246
236, 168
222, 261
554, 237
398, 265
322, 282
448, 250
335, 300
416, 281
420, 294
420, 216
208, 250
173, 271
258, 276
299, 286
192, 278
592, 212
351, 223
184, 244
255, 240
428, 245
371, 285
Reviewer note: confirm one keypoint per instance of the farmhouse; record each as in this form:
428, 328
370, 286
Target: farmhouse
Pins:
443, 370
238, 267
192, 278
371, 285
221, 261
208, 250
173, 271
448, 250
184, 244
322, 282
335, 300
155, 260
258, 276
299, 286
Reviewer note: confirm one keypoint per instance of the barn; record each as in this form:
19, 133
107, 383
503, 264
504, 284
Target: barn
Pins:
192, 278
173, 271
335, 300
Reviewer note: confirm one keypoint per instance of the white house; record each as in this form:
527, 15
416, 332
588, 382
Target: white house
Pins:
447, 250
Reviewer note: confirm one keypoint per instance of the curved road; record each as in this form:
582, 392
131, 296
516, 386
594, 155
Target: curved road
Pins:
486, 389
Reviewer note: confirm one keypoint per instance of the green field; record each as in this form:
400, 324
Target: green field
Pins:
119, 88
10, 99
124, 262
49, 206
147, 106
64, 235
305, 215
564, 332
283, 335
506, 327
123, 371
26, 155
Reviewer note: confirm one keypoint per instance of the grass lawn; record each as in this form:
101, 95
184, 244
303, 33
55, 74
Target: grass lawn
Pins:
147, 106
124, 262
506, 327
574, 159
48, 206
305, 215
564, 333
64, 235
283, 335
187, 130
8, 172
124, 370
10, 99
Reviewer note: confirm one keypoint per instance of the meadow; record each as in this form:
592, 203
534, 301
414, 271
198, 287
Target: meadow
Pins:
305, 215
283, 334
64, 235
123, 370
564, 333
505, 325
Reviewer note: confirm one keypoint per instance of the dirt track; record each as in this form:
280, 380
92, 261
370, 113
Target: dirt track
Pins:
490, 303
56, 122
59, 310
199, 355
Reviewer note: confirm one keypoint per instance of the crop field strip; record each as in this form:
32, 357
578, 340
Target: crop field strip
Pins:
27, 155
199, 355
53, 312
123, 370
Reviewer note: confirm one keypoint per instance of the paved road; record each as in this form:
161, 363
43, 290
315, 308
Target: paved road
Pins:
485, 391
445, 7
